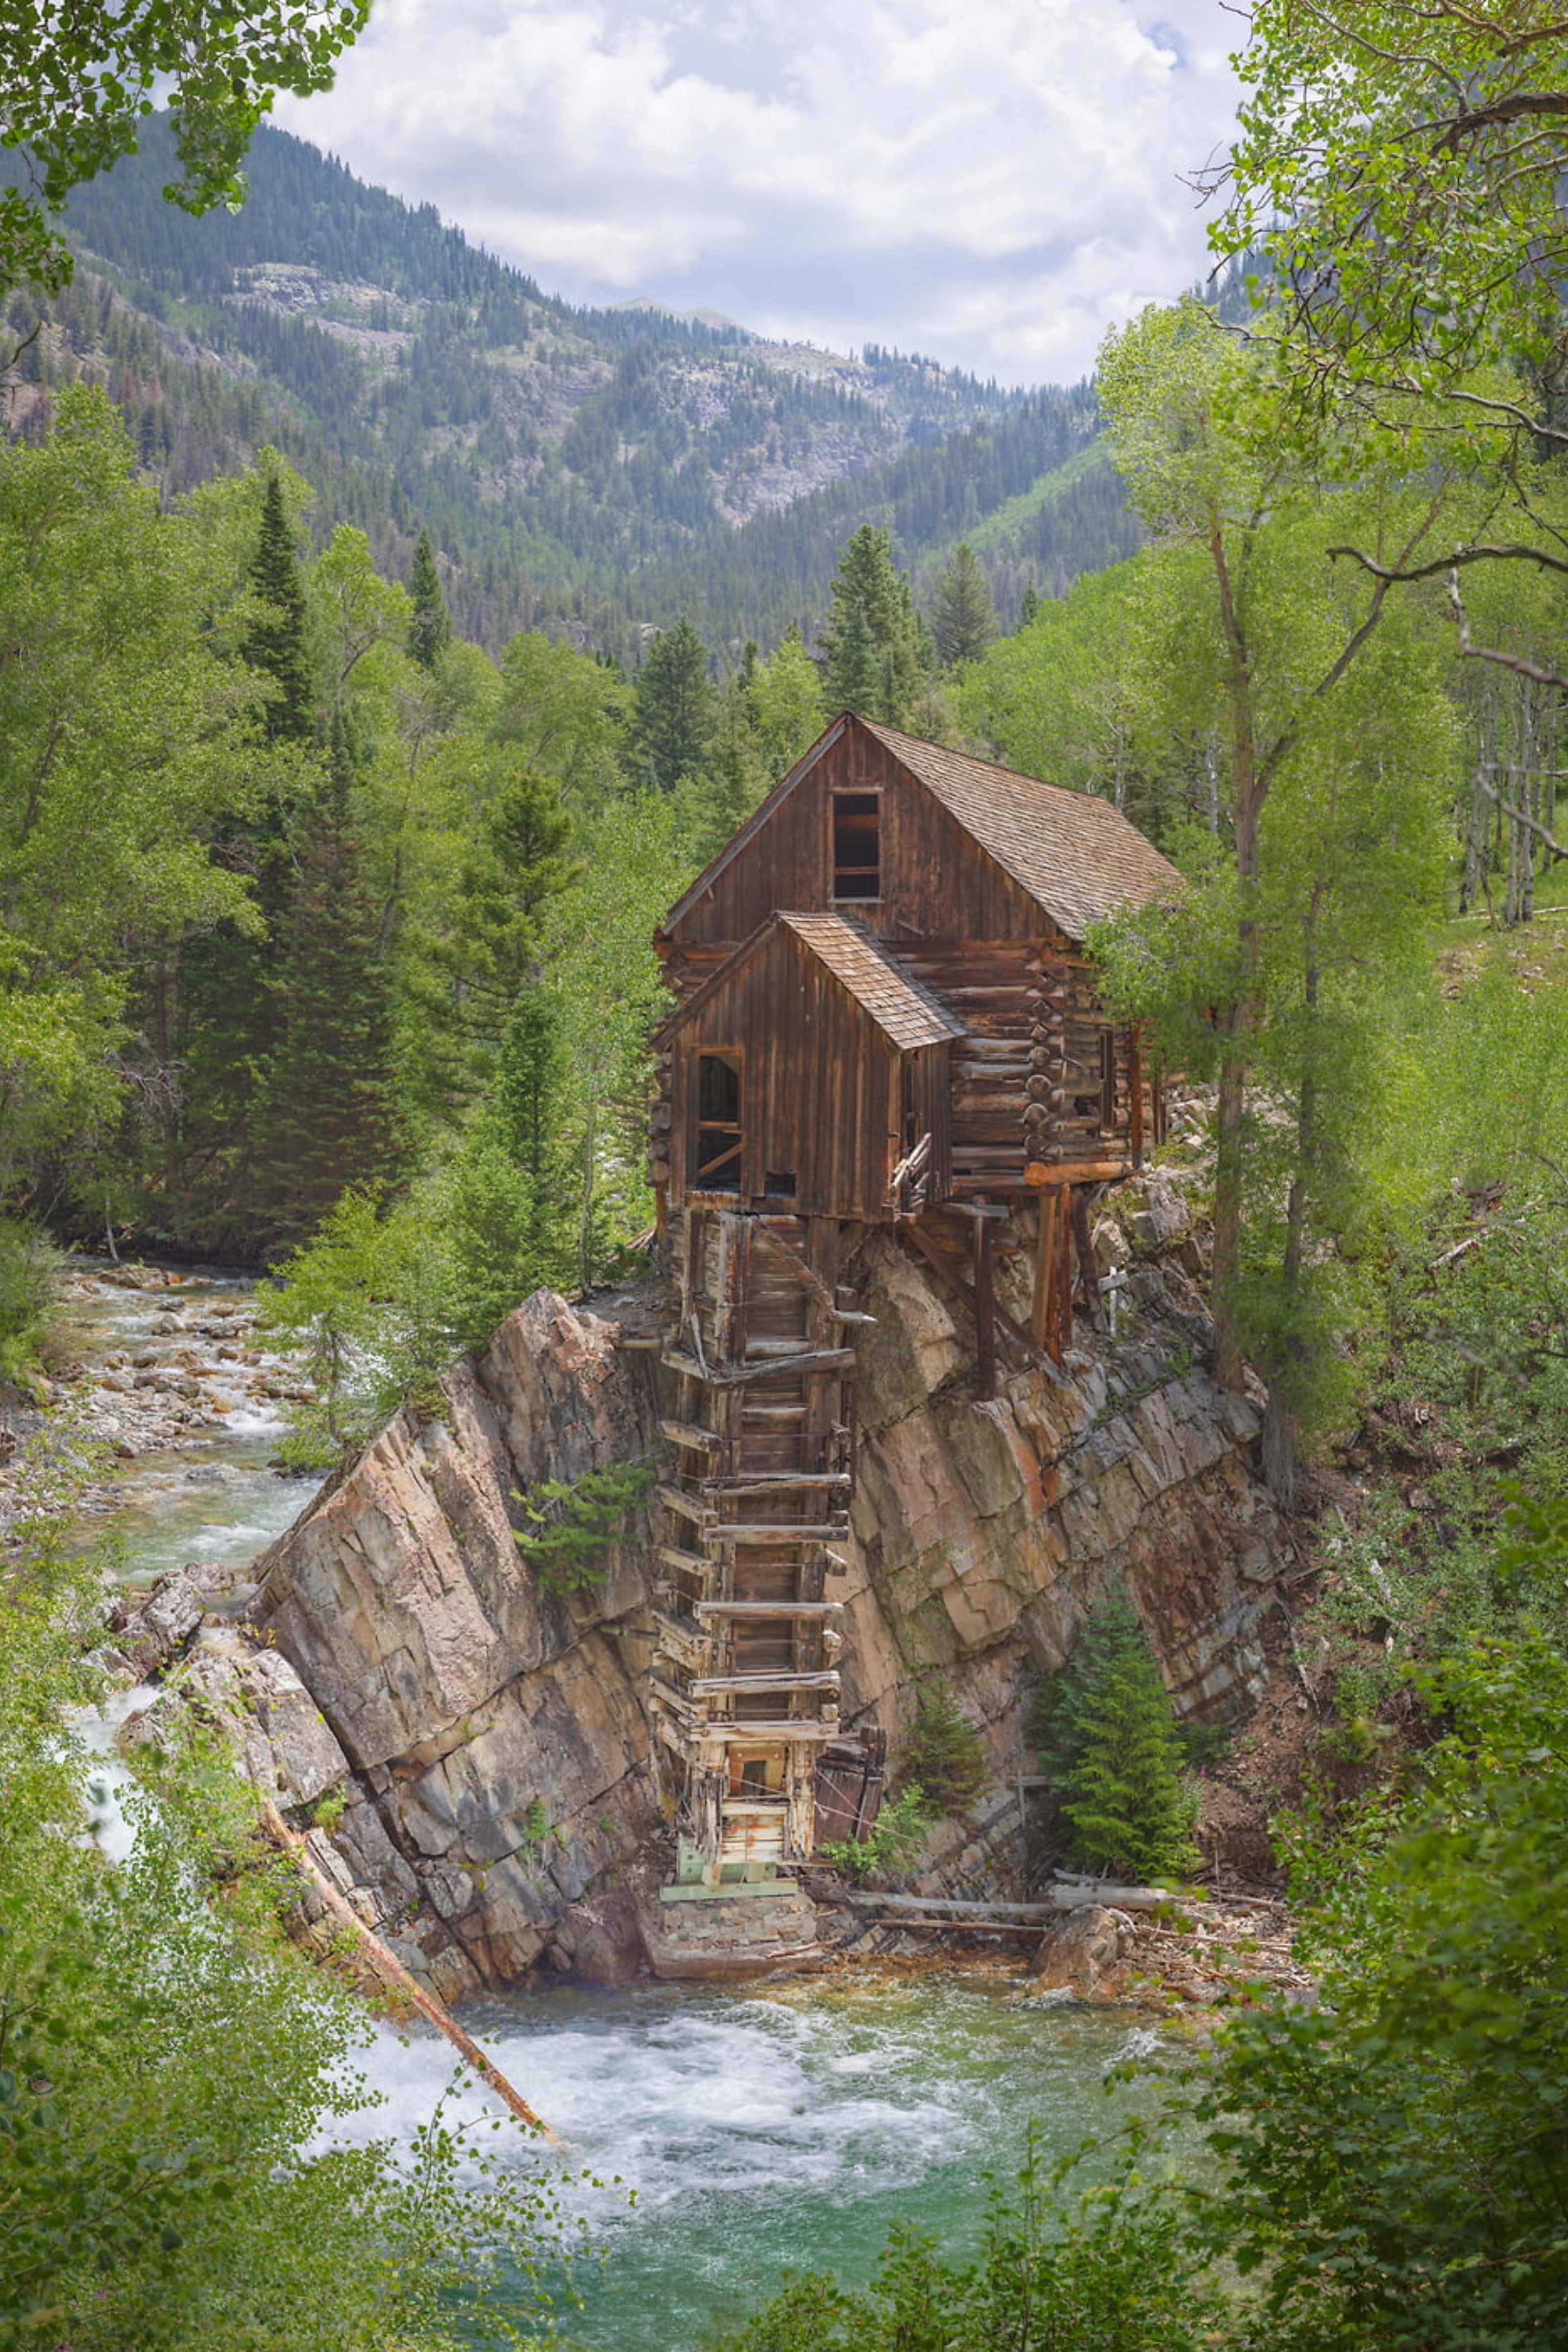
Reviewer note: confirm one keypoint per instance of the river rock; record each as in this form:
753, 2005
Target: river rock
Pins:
155, 1630
1084, 1955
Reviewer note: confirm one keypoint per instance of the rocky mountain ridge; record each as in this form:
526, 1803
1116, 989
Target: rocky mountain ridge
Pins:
576, 466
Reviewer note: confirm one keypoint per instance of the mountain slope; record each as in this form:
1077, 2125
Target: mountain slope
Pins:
589, 470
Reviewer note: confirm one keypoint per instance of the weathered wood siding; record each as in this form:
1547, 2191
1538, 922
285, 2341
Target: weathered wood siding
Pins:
930, 867
822, 1088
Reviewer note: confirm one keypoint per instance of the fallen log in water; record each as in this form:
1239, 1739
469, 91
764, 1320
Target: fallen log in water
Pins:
1071, 1897
393, 1973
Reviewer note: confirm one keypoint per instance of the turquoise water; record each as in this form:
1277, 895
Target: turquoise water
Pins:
786, 2127
761, 2130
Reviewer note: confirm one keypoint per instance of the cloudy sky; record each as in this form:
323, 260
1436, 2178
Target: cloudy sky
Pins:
993, 182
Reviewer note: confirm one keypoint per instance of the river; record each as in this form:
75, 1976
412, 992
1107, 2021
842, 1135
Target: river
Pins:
761, 2130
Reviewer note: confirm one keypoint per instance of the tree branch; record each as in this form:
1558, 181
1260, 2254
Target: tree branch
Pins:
1558, 848
1486, 553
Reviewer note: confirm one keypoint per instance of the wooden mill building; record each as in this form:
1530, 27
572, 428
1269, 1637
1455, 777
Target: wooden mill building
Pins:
887, 1017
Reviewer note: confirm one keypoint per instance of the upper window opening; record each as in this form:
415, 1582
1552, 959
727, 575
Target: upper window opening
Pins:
1108, 1079
856, 845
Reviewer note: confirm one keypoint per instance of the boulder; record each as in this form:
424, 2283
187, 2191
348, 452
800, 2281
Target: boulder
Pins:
157, 1631
1086, 1954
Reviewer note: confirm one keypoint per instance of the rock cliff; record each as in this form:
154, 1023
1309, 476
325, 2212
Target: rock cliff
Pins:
500, 1811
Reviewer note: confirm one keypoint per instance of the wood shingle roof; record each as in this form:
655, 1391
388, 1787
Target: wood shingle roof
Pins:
908, 1013
905, 1012
1074, 853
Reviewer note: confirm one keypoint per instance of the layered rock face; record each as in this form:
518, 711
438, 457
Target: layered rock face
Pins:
984, 1532
502, 1815
499, 1787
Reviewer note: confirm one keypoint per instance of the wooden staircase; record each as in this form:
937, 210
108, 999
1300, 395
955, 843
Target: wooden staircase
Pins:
760, 1472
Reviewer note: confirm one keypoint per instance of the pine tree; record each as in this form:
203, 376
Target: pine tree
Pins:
275, 638
510, 1203
1028, 607
228, 1006
674, 706
872, 656
963, 618
1109, 1739
430, 629
328, 1117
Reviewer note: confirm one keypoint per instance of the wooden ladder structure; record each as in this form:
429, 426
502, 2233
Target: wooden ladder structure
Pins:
759, 1470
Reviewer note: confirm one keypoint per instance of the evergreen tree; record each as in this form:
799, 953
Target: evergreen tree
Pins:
1109, 1739
965, 618
1028, 607
328, 1117
430, 629
275, 639
510, 1210
228, 1006
873, 660
519, 865
674, 706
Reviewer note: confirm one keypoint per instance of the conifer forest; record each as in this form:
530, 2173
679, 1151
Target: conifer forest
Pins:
387, 645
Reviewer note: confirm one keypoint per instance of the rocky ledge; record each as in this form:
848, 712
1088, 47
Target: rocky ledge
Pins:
495, 1813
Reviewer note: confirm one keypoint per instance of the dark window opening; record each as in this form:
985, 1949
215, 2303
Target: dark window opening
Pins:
779, 1182
857, 846
1108, 1079
719, 1138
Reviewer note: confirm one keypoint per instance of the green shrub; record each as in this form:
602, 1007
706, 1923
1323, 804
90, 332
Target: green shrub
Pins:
892, 1841
578, 1520
1109, 1741
943, 1754
29, 1273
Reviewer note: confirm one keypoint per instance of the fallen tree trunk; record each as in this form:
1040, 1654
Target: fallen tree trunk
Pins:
393, 1973
1074, 1896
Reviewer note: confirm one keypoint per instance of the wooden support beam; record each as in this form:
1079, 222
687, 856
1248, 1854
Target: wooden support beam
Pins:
1078, 1172
702, 1514
771, 1367
764, 1482
1043, 1324
933, 1256
688, 1432
1135, 1089
759, 1686
821, 1531
984, 1311
691, 1563
1087, 1269
751, 1735
820, 1610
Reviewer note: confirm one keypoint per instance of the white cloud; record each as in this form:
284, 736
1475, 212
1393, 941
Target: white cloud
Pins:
995, 183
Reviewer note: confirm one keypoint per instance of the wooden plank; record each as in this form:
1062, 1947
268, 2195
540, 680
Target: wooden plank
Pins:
761, 1482
686, 1432
1135, 1089
827, 1359
1082, 1171
1044, 1268
690, 1563
984, 1311
824, 1531
821, 1610
735, 1733
672, 1498
759, 1686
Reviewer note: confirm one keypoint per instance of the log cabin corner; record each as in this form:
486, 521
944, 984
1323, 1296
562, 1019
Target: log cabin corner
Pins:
887, 1016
